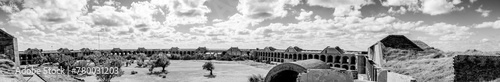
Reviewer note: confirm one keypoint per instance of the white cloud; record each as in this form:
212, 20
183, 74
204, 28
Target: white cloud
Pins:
267, 9
494, 24
347, 11
185, 12
472, 1
437, 7
304, 15
484, 13
446, 31
400, 2
485, 40
338, 3
39, 14
401, 10
342, 7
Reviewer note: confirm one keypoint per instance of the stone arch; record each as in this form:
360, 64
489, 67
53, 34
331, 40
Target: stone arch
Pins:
310, 56
288, 72
345, 67
345, 59
337, 59
294, 56
329, 58
304, 56
299, 56
323, 58
336, 65
316, 56
353, 60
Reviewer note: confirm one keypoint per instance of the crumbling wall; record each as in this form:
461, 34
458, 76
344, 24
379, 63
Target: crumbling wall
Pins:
476, 68
325, 75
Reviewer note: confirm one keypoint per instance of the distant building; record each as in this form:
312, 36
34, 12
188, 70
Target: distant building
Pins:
391, 46
333, 56
8, 47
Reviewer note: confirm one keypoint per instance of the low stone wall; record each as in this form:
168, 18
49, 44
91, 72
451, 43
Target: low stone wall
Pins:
326, 75
387, 76
476, 68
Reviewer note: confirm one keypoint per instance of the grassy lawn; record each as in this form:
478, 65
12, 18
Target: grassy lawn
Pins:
191, 71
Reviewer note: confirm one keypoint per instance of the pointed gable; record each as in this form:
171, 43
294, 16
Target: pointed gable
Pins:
141, 49
399, 42
291, 49
116, 49
234, 49
332, 50
269, 48
174, 49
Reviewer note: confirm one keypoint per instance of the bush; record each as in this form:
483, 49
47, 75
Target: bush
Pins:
256, 78
133, 72
225, 58
187, 57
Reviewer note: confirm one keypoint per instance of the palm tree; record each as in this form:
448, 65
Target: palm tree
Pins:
209, 66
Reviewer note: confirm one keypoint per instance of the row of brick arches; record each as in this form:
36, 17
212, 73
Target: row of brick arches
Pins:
339, 61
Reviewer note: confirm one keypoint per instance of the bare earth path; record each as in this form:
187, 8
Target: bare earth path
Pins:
191, 71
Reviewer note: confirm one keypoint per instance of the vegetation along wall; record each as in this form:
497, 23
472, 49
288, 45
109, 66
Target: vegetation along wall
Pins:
476, 68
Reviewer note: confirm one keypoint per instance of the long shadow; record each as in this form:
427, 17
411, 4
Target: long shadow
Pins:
210, 76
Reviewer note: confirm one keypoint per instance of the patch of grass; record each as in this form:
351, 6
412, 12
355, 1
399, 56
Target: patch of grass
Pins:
424, 70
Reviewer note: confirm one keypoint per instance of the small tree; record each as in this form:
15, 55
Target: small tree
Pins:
40, 60
256, 78
106, 77
209, 66
160, 60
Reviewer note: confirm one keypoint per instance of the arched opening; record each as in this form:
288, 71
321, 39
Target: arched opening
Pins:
337, 59
299, 57
329, 58
331, 65
285, 76
316, 57
304, 56
310, 57
345, 59
353, 60
345, 67
323, 58
294, 56
336, 65
353, 67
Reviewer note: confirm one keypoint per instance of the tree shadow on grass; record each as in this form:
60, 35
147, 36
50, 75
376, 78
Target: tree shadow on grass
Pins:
209, 76
159, 74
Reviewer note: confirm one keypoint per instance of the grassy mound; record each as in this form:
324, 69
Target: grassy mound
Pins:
424, 70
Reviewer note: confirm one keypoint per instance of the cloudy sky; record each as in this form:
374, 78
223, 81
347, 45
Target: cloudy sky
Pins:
451, 25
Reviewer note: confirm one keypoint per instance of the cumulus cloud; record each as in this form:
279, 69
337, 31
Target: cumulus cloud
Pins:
342, 7
494, 24
484, 13
401, 10
400, 2
10, 6
437, 7
39, 14
446, 31
304, 15
264, 9
185, 12
338, 3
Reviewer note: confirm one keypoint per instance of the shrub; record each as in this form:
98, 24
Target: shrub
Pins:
133, 72
256, 78
209, 67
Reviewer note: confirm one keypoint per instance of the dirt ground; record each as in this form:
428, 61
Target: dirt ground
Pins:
191, 71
